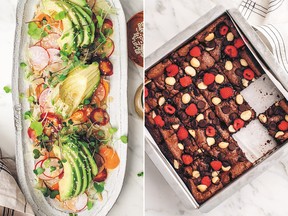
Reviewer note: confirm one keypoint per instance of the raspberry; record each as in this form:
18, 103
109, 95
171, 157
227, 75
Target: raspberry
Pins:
238, 123
169, 109
231, 51
187, 159
216, 165
172, 70
146, 92
226, 92
182, 133
210, 131
159, 121
283, 126
248, 74
223, 30
238, 43
185, 81
191, 110
206, 181
208, 78
195, 51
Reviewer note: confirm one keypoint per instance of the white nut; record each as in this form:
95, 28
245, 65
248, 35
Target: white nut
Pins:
215, 173
195, 62
209, 48
210, 141
200, 117
161, 101
262, 118
202, 86
228, 65
246, 115
175, 126
279, 134
245, 82
190, 71
170, 81
286, 118
215, 179
186, 98
230, 36
180, 146
223, 145
192, 133
216, 100
196, 174
225, 169
239, 99
202, 188
209, 37
176, 164
153, 114
243, 62
199, 150
231, 129
219, 78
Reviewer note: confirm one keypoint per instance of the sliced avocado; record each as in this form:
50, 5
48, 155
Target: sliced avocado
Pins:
82, 3
88, 168
67, 183
91, 160
67, 41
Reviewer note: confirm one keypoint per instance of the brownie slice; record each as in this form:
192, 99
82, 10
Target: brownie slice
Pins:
236, 113
275, 119
153, 96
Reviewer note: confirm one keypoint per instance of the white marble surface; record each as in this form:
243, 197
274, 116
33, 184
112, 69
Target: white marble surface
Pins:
130, 201
264, 196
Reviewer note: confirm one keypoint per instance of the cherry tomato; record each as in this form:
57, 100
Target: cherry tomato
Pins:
79, 116
110, 156
99, 116
101, 176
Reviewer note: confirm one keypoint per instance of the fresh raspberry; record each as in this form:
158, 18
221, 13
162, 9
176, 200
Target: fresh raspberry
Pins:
182, 133
238, 123
223, 30
169, 109
195, 51
191, 110
283, 126
159, 121
206, 181
238, 43
226, 92
248, 74
172, 70
208, 78
216, 165
187, 159
210, 131
185, 81
231, 51
146, 92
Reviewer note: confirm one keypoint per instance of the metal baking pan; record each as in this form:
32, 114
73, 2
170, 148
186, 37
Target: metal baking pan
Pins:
118, 91
274, 81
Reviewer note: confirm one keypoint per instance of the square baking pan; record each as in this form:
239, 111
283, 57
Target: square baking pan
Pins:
268, 89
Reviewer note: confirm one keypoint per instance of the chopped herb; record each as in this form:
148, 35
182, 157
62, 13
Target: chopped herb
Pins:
89, 205
37, 126
35, 32
31, 99
113, 130
23, 65
45, 191
61, 15
48, 27
102, 38
21, 96
72, 214
52, 168
38, 171
63, 160
100, 21
70, 121
28, 115
99, 187
86, 101
124, 139
140, 174
36, 153
62, 77
53, 194
7, 89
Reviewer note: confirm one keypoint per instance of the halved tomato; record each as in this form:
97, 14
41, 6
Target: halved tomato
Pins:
110, 156
99, 116
106, 49
79, 116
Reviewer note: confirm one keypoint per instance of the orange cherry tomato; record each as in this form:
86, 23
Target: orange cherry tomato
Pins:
110, 156
55, 186
79, 116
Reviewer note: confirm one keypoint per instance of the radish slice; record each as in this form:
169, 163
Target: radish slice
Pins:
41, 176
78, 203
38, 57
56, 63
49, 164
50, 41
45, 104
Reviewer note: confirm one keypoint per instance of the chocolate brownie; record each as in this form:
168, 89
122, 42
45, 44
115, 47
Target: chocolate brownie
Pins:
153, 96
236, 113
275, 119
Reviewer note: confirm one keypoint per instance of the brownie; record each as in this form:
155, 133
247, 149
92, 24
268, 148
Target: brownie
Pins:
153, 96
236, 113
275, 119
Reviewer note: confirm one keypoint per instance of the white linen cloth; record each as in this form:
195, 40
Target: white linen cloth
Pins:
12, 200
270, 17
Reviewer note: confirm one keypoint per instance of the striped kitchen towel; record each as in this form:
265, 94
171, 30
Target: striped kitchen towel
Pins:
270, 17
12, 200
